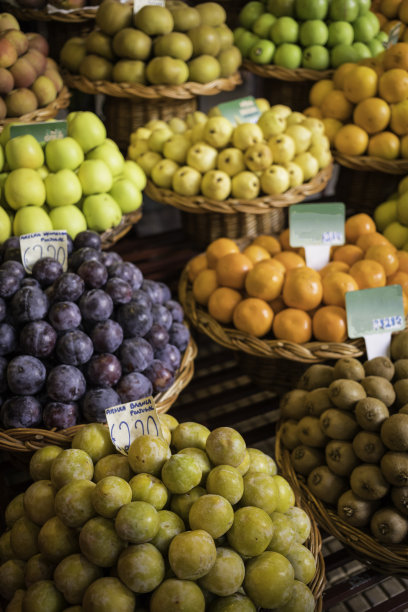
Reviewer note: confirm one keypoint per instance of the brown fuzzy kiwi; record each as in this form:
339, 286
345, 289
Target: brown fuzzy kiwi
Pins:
404, 409
379, 366
289, 434
394, 432
388, 526
325, 485
316, 375
371, 413
350, 368
354, 510
305, 458
367, 482
394, 467
379, 387
317, 401
399, 497
338, 424
399, 346
401, 391
310, 433
368, 447
346, 393
340, 457
292, 404
401, 369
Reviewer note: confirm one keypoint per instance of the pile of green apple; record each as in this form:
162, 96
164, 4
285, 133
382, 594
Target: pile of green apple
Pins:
314, 34
73, 183
156, 45
209, 155
190, 521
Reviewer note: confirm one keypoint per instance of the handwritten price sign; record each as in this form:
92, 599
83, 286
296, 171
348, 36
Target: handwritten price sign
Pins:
44, 244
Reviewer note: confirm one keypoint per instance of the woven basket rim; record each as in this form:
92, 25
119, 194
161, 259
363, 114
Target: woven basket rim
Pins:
271, 71
30, 439
200, 204
77, 15
114, 234
372, 164
42, 114
389, 558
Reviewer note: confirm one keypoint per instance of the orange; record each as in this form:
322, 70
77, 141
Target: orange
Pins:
360, 83
372, 114
284, 241
278, 265
204, 285
358, 224
389, 8
232, 269
292, 324
218, 248
367, 240
405, 303
222, 303
256, 253
302, 288
349, 254
318, 90
270, 243
385, 145
399, 117
399, 278
253, 316
336, 105
403, 11
351, 140
195, 265
375, 63
381, 18
334, 266
385, 255
313, 111
396, 56
290, 259
335, 287
368, 273
277, 304
390, 25
340, 74
393, 85
402, 261
329, 324
331, 127
264, 281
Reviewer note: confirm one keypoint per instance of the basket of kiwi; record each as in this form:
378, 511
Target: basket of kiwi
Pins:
343, 444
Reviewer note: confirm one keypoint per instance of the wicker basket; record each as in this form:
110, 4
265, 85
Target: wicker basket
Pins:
385, 559
114, 234
42, 114
298, 75
49, 13
30, 439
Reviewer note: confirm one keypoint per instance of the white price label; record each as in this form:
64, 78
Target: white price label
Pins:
129, 421
52, 244
139, 4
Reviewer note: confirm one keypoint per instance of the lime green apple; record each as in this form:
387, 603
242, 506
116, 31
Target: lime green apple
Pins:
250, 13
340, 54
362, 50
202, 157
288, 55
94, 176
385, 214
69, 218
344, 10
5, 226
87, 129
366, 27
281, 8
132, 171
63, 153
30, 219
284, 30
158, 138
163, 172
246, 41
126, 194
311, 9
396, 233
43, 172
316, 57
63, 188
376, 47
313, 32
283, 148
110, 154
364, 6
340, 32
24, 152
308, 163
262, 52
261, 27
218, 132
216, 185
275, 180
24, 187
271, 123
101, 212
382, 37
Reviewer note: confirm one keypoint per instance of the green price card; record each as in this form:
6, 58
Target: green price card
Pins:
43, 131
314, 224
242, 110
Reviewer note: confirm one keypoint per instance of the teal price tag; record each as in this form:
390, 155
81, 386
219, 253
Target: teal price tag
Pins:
242, 110
42, 131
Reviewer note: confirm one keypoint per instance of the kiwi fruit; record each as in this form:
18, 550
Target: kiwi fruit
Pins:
292, 404
310, 433
404, 409
379, 387
338, 425
394, 432
340, 457
304, 459
401, 391
370, 413
345, 393
367, 482
379, 366
317, 401
394, 467
401, 369
350, 368
289, 434
354, 510
368, 447
316, 375
325, 485
399, 497
399, 346
388, 526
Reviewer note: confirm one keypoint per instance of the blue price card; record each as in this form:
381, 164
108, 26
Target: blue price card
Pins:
42, 131
44, 244
241, 110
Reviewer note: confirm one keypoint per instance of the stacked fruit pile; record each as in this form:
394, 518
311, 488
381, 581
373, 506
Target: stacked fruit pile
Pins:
347, 432
391, 217
71, 183
367, 105
266, 290
29, 79
156, 45
92, 530
392, 14
314, 34
75, 343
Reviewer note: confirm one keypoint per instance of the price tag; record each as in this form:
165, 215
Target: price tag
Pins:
129, 421
43, 132
139, 4
375, 314
242, 110
44, 244
316, 227
393, 35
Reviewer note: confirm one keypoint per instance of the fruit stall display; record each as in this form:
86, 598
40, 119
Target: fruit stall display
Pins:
393, 15
193, 516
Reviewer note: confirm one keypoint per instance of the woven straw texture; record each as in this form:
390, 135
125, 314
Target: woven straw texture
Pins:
372, 164
28, 440
42, 114
271, 71
44, 14
112, 235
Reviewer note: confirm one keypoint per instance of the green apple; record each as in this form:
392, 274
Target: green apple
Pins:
294, 118
385, 214
24, 152
340, 32
262, 52
158, 138
101, 212
288, 55
311, 9
364, 6
258, 157
87, 129
62, 188
2, 158
178, 125
63, 153
301, 135
43, 172
295, 174
366, 27
323, 156
231, 161
216, 185
250, 13
176, 148
69, 218
246, 41
110, 154
218, 132
281, 8
308, 163
137, 148
344, 10
195, 117
197, 132
376, 47
316, 57
246, 134
202, 157
163, 172
271, 123
283, 148
342, 54
126, 194
186, 181
148, 160
313, 32
94, 176
362, 50
382, 37
30, 219
5, 226
245, 186
261, 27
284, 30
237, 33
132, 171
316, 126
24, 187
275, 180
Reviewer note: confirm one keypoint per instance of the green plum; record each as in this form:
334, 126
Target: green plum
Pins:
56, 540
225, 480
269, 580
300, 599
16, 602
201, 458
170, 524
72, 463
141, 568
232, 603
260, 490
181, 473
73, 575
251, 531
284, 533
95, 440
14, 509
73, 502
148, 454
148, 488
181, 504
11, 577
192, 554
43, 596
169, 419
243, 467
24, 538
40, 462
38, 567
137, 522
303, 562
107, 594
99, 542
213, 513
113, 465
6, 552
109, 495
180, 595
226, 575
189, 434
300, 522
261, 462
39, 501
225, 445
286, 496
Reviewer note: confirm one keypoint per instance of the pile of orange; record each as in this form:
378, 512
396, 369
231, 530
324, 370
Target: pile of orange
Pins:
267, 290
365, 107
392, 13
